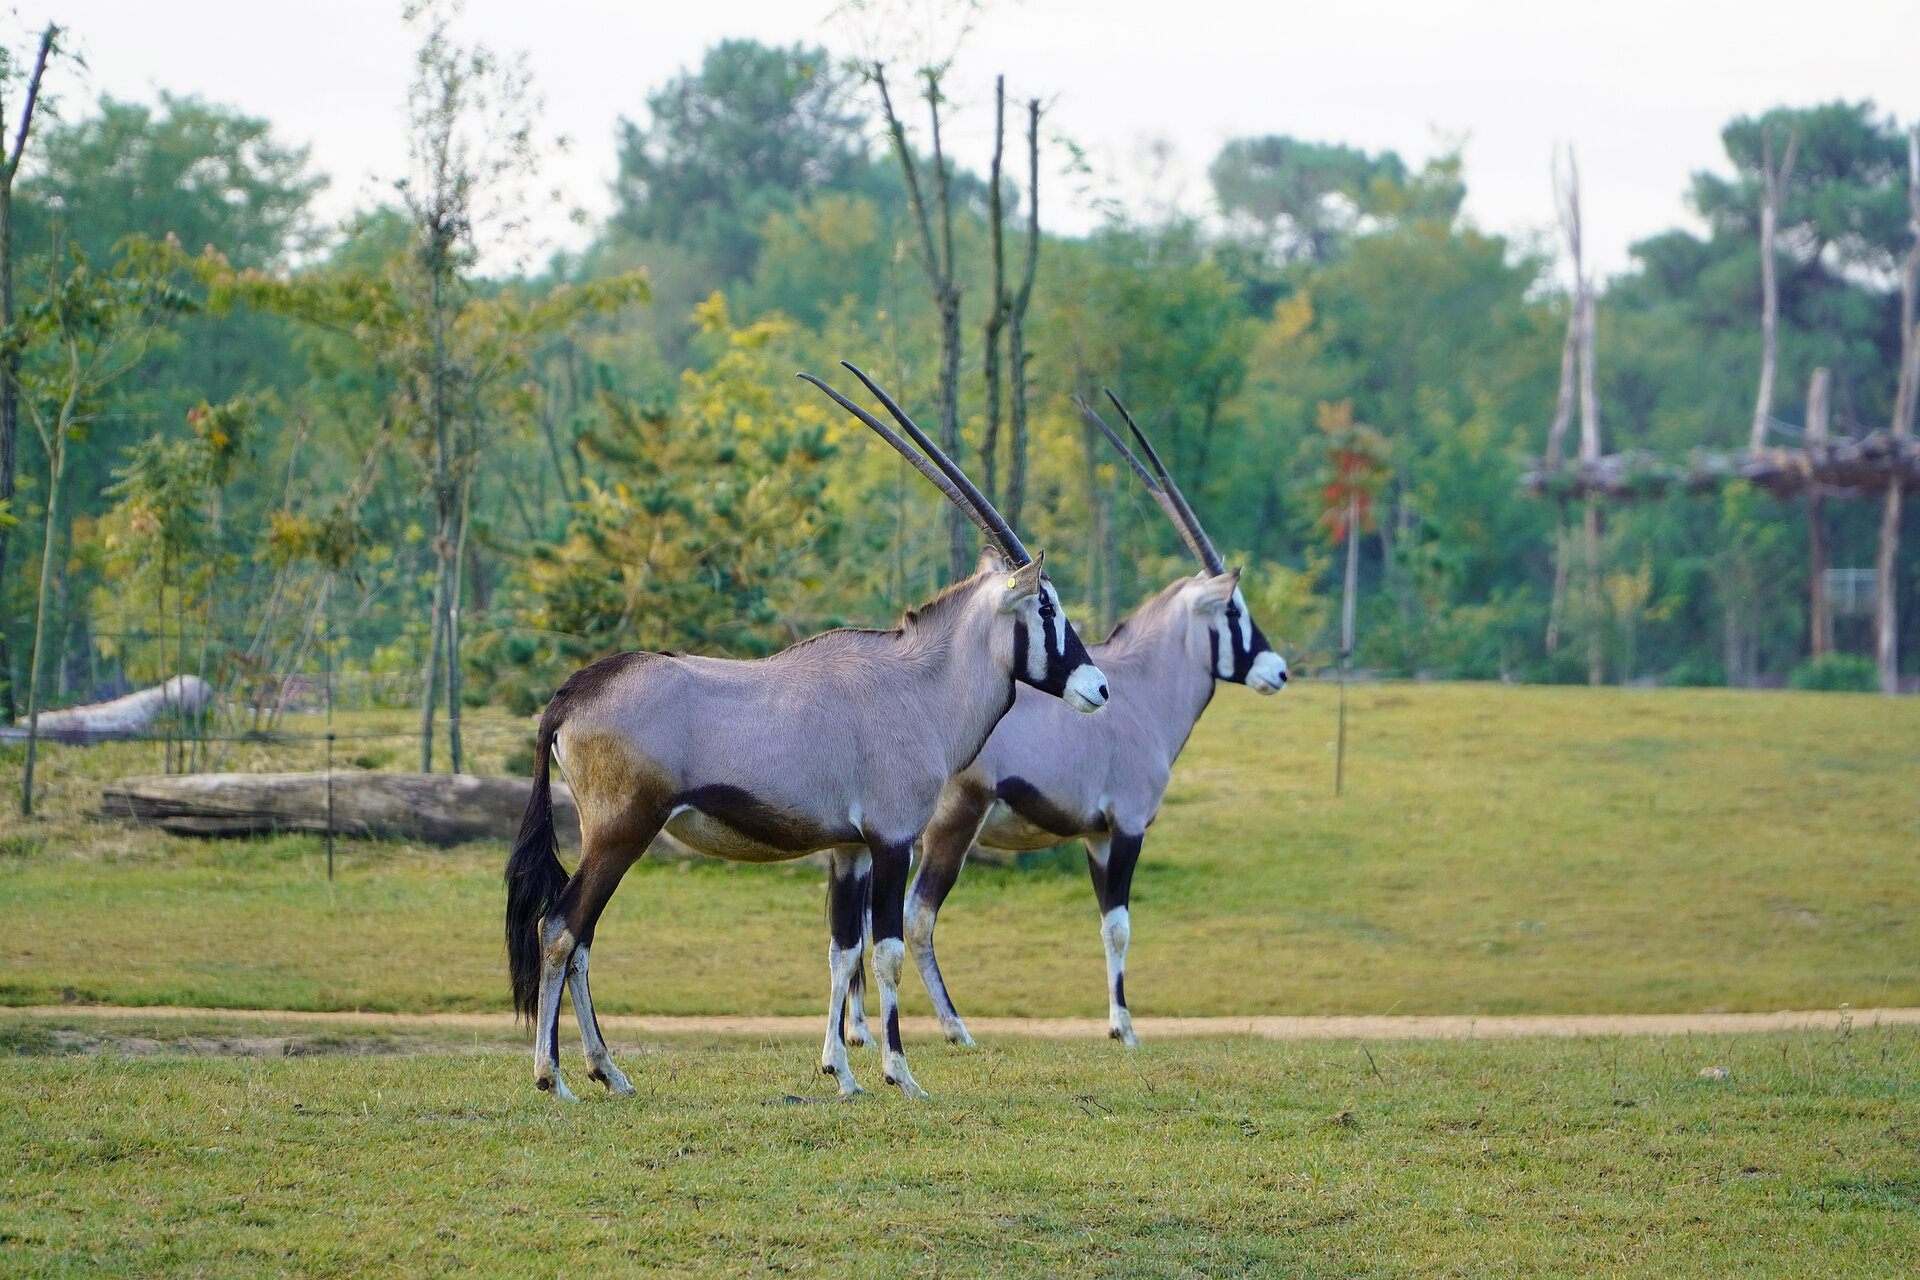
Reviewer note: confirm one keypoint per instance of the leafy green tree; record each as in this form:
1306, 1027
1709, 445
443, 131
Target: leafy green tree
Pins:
89, 329
753, 133
709, 531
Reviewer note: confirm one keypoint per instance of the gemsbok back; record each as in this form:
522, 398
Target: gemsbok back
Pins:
1044, 778
842, 743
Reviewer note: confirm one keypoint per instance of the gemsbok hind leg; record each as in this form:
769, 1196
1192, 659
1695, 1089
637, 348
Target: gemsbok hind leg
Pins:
595, 1044
848, 877
859, 1035
1111, 858
566, 934
943, 852
891, 863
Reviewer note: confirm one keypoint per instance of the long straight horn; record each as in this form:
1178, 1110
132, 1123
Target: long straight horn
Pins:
995, 524
1154, 487
1183, 517
907, 451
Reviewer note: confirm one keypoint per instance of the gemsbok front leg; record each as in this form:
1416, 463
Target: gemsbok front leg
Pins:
943, 852
891, 863
849, 878
1111, 858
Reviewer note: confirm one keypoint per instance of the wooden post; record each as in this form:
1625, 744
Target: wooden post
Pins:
1773, 186
1885, 611
1346, 633
1819, 616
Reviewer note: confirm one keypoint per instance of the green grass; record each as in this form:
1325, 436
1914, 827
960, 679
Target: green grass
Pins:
1520, 1158
1499, 850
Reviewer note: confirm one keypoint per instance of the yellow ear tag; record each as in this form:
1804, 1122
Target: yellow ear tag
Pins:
1013, 584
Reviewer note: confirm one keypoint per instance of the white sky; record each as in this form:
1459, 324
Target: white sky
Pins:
1641, 87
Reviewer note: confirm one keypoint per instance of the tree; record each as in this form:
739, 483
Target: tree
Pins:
754, 133
1356, 468
709, 530
90, 329
937, 259
10, 361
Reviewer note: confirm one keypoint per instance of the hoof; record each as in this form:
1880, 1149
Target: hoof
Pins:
858, 1038
957, 1034
555, 1086
849, 1088
615, 1082
1125, 1036
909, 1088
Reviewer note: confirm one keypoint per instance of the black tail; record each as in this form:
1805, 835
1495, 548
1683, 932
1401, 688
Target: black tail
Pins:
535, 877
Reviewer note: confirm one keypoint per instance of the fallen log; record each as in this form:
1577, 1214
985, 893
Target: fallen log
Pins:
121, 717
428, 808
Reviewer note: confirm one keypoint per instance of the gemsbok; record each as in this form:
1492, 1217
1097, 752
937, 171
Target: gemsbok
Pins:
1043, 778
840, 743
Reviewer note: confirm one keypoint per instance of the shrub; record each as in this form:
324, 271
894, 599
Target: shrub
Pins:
1837, 673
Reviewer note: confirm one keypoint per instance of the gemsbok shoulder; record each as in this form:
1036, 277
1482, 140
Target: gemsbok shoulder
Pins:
1043, 778
839, 743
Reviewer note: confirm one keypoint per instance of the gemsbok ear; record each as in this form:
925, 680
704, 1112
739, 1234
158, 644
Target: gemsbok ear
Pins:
992, 560
1021, 583
1216, 592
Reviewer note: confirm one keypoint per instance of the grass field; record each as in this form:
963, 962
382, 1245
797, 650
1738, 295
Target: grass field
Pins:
1521, 1158
1499, 850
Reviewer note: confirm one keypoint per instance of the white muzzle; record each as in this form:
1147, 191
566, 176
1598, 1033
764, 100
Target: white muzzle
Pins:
1268, 673
1086, 688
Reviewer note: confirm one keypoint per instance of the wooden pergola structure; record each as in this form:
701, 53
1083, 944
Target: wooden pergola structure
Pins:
1882, 464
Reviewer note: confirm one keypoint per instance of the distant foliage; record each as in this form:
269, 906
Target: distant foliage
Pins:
1837, 673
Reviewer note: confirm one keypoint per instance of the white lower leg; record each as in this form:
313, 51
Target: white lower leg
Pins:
920, 922
603, 1069
833, 1056
889, 960
555, 957
1115, 931
858, 1033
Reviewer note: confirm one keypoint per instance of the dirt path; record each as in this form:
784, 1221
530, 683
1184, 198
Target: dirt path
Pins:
1358, 1027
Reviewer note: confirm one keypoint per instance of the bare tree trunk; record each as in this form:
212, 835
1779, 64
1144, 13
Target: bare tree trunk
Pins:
1596, 652
56, 469
1562, 561
938, 261
455, 757
430, 679
10, 360
1819, 615
1568, 194
1574, 355
1017, 322
997, 309
1886, 624
1774, 185
1590, 452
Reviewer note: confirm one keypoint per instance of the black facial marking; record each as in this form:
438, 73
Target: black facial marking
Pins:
1059, 666
1026, 800
761, 822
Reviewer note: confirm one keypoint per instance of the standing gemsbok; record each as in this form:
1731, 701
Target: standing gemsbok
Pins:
1043, 778
842, 742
